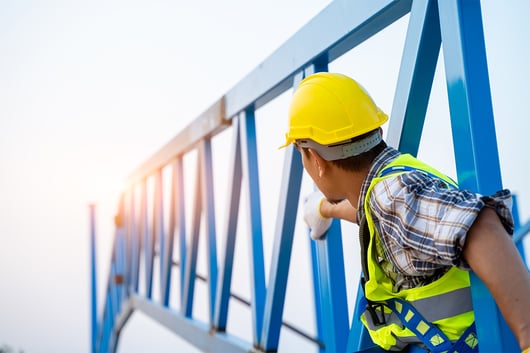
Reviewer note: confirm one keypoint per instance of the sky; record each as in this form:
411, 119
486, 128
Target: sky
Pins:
90, 89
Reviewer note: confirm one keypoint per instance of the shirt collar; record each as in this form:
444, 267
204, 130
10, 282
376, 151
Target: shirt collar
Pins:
385, 157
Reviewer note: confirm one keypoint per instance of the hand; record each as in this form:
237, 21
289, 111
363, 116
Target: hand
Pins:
312, 216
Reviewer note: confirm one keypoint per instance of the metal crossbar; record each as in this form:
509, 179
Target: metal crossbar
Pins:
247, 303
144, 241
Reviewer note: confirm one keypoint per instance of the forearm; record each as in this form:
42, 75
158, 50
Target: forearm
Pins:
491, 254
341, 210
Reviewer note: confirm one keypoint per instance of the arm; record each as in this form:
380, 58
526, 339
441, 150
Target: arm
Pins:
341, 210
318, 213
491, 254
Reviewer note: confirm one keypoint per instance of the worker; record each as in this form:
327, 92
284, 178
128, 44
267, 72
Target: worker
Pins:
420, 234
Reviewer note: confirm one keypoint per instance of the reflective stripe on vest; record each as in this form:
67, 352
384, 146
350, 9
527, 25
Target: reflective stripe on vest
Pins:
435, 308
445, 302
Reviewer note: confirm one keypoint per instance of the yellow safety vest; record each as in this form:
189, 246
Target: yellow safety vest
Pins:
446, 302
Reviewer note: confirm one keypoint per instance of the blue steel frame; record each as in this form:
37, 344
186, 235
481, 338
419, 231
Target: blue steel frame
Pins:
93, 283
454, 25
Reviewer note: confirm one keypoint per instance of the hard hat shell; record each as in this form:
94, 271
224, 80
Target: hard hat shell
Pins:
329, 108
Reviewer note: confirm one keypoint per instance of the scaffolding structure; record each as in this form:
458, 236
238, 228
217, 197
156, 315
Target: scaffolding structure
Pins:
143, 245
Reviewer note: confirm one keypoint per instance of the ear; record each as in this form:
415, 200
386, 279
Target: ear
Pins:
320, 163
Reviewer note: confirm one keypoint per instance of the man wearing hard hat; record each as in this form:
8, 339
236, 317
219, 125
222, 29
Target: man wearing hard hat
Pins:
420, 234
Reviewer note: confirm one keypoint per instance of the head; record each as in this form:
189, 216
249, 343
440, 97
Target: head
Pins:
332, 115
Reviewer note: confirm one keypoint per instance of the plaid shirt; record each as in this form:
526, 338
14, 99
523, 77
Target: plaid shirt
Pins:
422, 223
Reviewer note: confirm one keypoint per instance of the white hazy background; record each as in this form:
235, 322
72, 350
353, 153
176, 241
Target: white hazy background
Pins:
89, 90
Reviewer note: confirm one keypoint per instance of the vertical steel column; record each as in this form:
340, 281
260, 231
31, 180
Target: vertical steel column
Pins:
191, 251
416, 74
116, 302
148, 241
108, 324
225, 267
135, 243
127, 226
316, 292
333, 301
281, 254
167, 263
474, 139
517, 223
93, 280
121, 253
112, 308
117, 276
181, 221
208, 203
257, 266
158, 233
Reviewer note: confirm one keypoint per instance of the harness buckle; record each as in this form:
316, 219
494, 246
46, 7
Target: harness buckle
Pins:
373, 308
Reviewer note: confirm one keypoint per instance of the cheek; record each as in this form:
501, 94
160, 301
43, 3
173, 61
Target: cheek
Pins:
329, 188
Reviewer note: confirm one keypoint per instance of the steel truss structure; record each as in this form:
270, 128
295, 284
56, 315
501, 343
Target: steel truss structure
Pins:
141, 242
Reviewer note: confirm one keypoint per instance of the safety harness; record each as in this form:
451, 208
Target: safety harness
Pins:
405, 313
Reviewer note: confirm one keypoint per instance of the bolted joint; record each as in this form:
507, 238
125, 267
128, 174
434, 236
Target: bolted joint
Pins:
118, 220
118, 279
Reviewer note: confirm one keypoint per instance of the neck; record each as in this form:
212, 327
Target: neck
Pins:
353, 182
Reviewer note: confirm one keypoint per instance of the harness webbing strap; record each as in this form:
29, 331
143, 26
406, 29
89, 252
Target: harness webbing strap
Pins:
405, 168
435, 340
364, 241
431, 336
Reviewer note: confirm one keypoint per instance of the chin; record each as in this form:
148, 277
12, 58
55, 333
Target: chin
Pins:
334, 198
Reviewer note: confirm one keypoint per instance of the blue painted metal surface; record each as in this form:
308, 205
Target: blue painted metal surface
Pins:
190, 266
158, 228
208, 207
167, 260
453, 25
281, 253
339, 27
420, 56
332, 289
521, 230
181, 220
316, 292
474, 138
257, 267
93, 281
134, 237
226, 266
149, 243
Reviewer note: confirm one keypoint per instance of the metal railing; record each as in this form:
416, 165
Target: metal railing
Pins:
145, 240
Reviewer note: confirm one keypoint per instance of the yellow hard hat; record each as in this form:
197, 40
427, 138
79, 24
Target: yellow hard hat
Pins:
329, 108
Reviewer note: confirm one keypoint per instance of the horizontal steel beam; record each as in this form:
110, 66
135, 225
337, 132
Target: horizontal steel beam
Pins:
347, 22
208, 124
339, 27
195, 332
